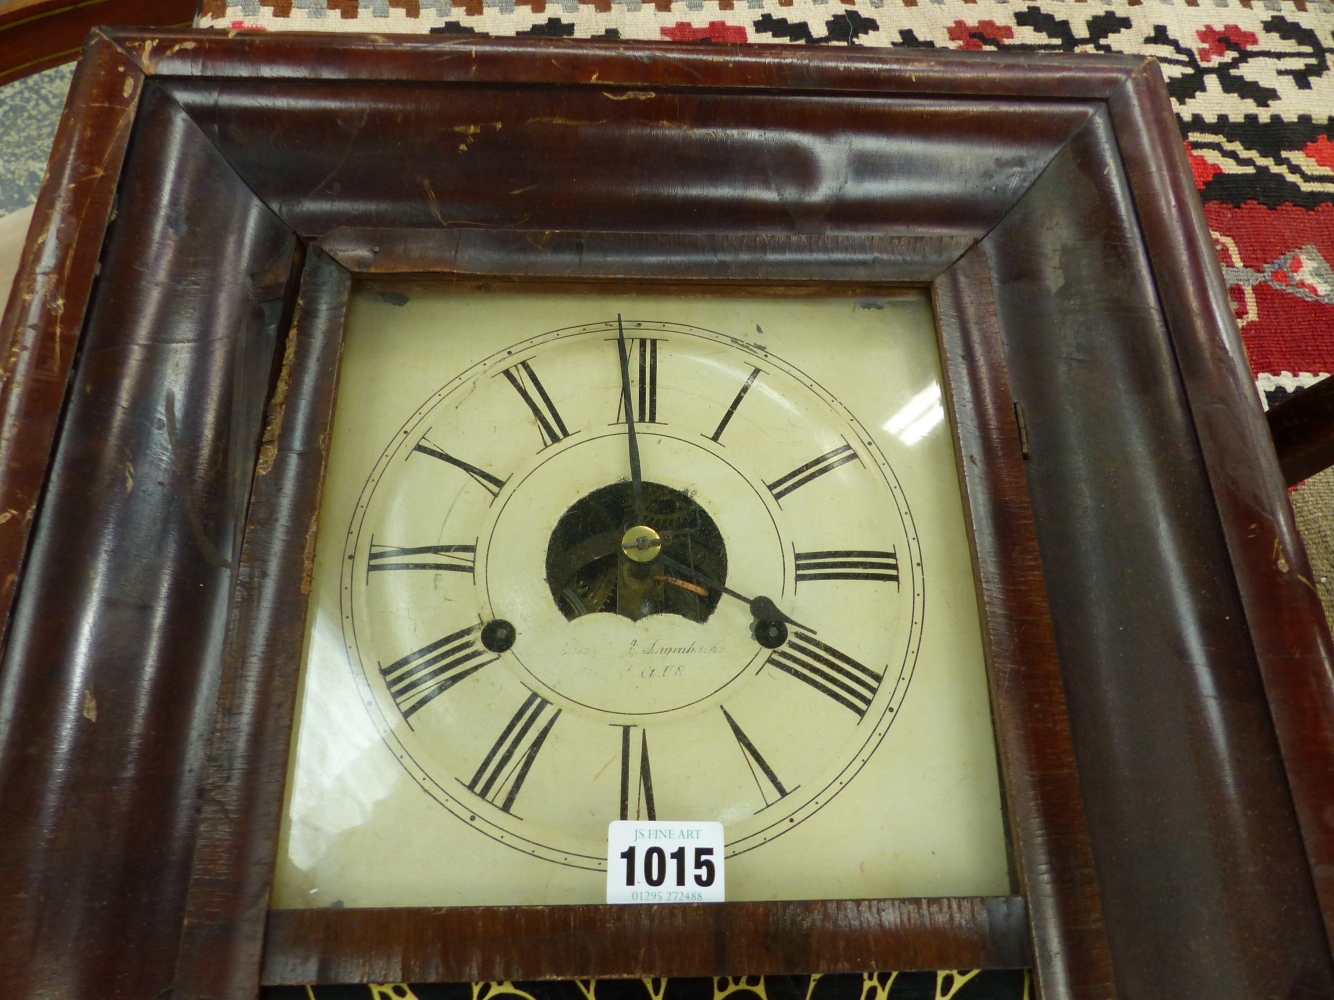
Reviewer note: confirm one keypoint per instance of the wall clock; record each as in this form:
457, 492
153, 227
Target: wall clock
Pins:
1156, 670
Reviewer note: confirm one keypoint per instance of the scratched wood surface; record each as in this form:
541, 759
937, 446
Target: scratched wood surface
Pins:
38, 34
440, 945
1144, 600
45, 312
1289, 638
111, 667
227, 898
1033, 736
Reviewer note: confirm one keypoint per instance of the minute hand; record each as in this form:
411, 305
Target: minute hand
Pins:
761, 608
636, 478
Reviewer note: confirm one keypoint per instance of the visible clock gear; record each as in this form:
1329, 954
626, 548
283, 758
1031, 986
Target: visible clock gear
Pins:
589, 594
588, 572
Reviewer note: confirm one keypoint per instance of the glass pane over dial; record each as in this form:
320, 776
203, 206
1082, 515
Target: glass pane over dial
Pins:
585, 558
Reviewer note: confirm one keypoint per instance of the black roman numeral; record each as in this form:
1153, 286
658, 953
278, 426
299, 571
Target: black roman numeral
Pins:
483, 479
848, 564
834, 674
642, 784
549, 423
753, 761
423, 675
507, 763
741, 394
646, 410
450, 558
813, 469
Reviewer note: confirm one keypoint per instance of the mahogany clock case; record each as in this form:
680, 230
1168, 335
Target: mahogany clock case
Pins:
1158, 664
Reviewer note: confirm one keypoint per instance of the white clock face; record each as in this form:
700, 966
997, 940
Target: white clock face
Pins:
509, 649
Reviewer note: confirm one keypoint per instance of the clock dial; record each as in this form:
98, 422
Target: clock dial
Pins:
644, 637
628, 567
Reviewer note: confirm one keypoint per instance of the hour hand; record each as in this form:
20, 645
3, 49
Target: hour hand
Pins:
765, 610
761, 608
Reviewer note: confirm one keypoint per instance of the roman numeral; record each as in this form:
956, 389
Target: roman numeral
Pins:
642, 783
848, 564
835, 675
646, 412
549, 424
507, 763
813, 469
424, 674
753, 761
483, 479
455, 558
727, 417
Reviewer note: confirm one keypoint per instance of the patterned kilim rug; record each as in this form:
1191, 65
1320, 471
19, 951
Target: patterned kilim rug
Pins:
1254, 90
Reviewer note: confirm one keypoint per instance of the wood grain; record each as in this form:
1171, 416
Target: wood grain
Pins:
1200, 868
110, 674
45, 312
39, 34
611, 64
860, 170
695, 939
1289, 635
661, 257
1053, 856
243, 790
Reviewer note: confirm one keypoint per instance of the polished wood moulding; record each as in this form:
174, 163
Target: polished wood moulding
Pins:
421, 946
39, 34
1158, 664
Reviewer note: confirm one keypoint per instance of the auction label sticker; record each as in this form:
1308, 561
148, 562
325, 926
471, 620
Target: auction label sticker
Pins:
655, 862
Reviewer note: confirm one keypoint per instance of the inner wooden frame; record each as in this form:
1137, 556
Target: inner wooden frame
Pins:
1160, 672
441, 944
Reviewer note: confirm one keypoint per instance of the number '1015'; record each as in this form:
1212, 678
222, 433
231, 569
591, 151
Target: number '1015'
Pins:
655, 866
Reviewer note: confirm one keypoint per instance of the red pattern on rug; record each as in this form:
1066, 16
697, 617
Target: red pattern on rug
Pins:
1278, 265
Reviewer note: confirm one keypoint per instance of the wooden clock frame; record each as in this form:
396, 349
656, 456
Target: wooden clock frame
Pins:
1159, 665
